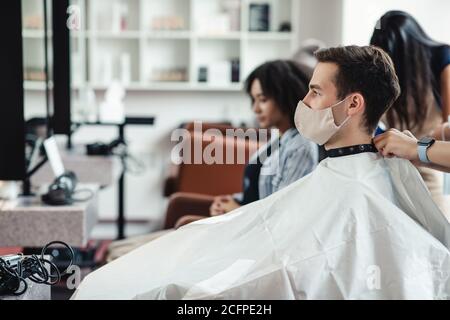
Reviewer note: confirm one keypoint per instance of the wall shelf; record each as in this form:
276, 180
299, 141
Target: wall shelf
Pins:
144, 41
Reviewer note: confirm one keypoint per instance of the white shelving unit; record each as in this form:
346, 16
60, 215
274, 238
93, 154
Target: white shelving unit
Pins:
165, 42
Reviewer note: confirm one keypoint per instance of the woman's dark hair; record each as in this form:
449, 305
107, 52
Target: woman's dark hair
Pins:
284, 81
401, 36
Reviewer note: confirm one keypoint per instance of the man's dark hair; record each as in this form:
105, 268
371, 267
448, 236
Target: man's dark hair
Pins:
284, 81
367, 70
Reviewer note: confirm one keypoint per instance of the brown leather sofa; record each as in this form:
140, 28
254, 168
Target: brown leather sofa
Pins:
183, 203
211, 179
195, 185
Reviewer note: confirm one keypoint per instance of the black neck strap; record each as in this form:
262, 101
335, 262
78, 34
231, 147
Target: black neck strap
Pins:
346, 151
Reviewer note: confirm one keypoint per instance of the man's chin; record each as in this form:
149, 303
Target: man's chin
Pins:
263, 125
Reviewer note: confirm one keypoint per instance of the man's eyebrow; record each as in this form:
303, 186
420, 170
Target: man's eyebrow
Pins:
315, 86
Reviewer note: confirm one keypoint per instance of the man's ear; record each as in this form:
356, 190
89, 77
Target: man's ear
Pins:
357, 104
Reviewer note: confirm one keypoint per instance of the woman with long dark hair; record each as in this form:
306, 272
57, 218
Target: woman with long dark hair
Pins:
423, 68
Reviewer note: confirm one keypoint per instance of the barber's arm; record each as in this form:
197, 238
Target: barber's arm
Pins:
445, 92
394, 143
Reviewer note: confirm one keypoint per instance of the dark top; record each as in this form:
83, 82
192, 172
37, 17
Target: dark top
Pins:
251, 180
440, 58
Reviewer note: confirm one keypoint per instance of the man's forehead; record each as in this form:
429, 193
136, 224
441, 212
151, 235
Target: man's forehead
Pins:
324, 74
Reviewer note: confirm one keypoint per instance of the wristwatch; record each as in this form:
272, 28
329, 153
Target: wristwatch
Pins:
422, 147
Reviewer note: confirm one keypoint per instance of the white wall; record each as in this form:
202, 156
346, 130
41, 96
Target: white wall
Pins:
321, 19
360, 17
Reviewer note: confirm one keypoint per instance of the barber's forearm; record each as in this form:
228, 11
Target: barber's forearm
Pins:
435, 167
445, 93
439, 154
445, 111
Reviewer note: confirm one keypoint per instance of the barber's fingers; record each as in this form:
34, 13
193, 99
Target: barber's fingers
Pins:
409, 134
386, 152
384, 147
381, 138
380, 141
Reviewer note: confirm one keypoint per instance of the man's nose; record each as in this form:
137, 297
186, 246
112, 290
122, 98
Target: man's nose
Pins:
306, 100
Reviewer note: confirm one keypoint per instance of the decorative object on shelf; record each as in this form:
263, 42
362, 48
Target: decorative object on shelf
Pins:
119, 16
125, 68
203, 74
112, 109
85, 105
104, 68
169, 74
215, 24
226, 19
76, 61
285, 27
168, 23
219, 73
34, 74
259, 18
235, 70
233, 9
33, 21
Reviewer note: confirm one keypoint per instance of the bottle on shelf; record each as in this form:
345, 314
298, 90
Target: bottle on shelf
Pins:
125, 68
119, 18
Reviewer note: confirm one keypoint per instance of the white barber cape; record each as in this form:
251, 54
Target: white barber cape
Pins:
358, 227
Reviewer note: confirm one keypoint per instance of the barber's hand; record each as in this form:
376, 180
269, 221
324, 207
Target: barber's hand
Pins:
394, 143
222, 205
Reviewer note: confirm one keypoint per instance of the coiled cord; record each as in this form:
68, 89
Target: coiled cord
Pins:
13, 276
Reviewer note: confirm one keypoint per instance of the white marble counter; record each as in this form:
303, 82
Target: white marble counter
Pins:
27, 222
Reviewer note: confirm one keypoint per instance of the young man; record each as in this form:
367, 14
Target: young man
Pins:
358, 227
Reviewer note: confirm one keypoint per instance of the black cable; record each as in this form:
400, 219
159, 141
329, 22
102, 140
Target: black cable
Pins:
118, 147
13, 276
131, 164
